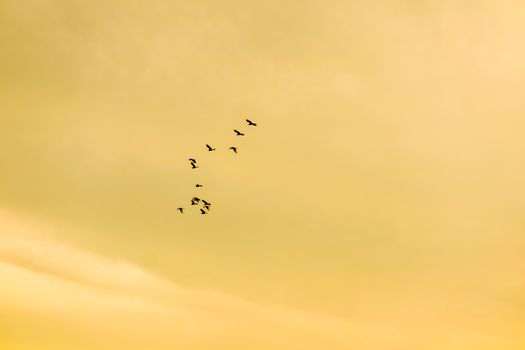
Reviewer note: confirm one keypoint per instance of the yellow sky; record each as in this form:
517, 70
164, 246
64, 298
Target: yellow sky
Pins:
378, 204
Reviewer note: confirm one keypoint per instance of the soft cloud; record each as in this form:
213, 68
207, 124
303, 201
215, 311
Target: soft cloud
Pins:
71, 285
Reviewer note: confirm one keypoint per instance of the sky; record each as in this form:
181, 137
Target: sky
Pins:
377, 205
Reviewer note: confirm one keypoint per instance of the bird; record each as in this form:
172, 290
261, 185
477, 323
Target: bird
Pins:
202, 211
195, 200
238, 133
198, 185
210, 148
250, 123
192, 160
234, 149
194, 166
181, 210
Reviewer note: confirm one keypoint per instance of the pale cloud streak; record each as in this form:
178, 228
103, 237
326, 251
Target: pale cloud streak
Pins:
76, 286
116, 303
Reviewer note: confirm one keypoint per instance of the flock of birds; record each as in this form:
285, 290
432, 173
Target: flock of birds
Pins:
193, 162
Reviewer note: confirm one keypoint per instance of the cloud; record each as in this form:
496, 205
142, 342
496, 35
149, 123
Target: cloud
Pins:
66, 297
78, 287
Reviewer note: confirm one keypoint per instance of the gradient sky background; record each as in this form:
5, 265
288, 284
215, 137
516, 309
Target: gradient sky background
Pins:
378, 205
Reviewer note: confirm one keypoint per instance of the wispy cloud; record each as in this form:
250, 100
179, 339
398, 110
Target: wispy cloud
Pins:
79, 286
119, 303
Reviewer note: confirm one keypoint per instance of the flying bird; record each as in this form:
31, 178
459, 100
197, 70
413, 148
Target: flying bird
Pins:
210, 148
181, 210
195, 200
238, 133
202, 211
250, 123
234, 149
198, 185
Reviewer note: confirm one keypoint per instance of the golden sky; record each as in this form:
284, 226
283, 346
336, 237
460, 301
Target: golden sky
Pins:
377, 206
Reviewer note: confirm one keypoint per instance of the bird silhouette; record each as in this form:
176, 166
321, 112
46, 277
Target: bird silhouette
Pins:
193, 162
